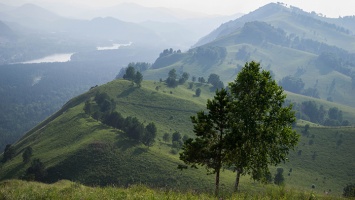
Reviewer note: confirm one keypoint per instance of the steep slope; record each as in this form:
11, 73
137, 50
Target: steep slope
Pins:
319, 65
294, 21
77, 147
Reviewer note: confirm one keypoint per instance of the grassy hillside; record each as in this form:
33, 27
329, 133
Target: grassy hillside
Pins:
14, 189
76, 147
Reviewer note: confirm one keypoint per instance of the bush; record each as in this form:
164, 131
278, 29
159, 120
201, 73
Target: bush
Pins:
349, 190
36, 172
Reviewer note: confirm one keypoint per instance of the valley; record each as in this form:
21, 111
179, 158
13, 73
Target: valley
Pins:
50, 99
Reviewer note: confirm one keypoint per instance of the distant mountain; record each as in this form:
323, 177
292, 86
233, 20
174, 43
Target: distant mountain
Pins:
286, 40
6, 33
132, 12
294, 21
29, 15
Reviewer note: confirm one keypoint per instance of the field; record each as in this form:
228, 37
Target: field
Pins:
14, 189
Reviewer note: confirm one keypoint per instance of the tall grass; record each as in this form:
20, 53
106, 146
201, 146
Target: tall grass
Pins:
17, 190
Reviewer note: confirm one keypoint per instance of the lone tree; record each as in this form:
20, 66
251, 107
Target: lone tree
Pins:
26, 155
251, 130
9, 153
198, 92
36, 172
150, 133
262, 132
209, 147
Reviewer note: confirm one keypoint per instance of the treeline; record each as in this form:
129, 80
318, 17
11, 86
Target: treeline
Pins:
296, 85
137, 67
311, 111
208, 55
103, 109
167, 57
174, 79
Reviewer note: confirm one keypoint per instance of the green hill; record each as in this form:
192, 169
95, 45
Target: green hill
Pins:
285, 40
75, 146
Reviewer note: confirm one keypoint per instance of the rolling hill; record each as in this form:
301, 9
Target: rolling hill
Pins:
286, 40
75, 146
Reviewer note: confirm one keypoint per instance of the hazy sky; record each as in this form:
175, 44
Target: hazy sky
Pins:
330, 8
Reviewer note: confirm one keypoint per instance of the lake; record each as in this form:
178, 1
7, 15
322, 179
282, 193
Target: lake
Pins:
61, 57
114, 46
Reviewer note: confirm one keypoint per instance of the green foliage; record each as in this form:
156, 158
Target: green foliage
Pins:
349, 190
209, 55
279, 177
36, 172
9, 153
198, 92
26, 155
292, 84
138, 79
209, 147
171, 80
215, 81
149, 134
262, 130
132, 75
176, 137
166, 137
201, 80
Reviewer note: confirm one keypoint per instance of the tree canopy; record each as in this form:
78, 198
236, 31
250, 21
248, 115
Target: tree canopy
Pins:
247, 128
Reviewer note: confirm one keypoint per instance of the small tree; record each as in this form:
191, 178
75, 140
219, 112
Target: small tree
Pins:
279, 177
138, 79
176, 137
130, 73
149, 134
9, 153
26, 155
36, 171
198, 92
209, 147
166, 137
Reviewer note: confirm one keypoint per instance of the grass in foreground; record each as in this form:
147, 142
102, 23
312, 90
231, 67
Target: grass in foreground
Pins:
16, 189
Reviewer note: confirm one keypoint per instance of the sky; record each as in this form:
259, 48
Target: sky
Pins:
330, 8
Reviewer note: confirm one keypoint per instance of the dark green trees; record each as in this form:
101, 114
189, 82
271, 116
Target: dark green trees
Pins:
9, 153
349, 190
209, 147
149, 134
247, 129
26, 155
171, 80
279, 177
215, 81
134, 76
198, 92
36, 172
262, 132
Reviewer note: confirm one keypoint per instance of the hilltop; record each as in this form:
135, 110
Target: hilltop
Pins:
286, 40
78, 145
75, 146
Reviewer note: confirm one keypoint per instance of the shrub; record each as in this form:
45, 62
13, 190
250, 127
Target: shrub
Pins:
349, 190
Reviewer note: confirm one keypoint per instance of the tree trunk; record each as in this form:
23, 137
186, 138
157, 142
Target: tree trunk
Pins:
236, 185
216, 192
